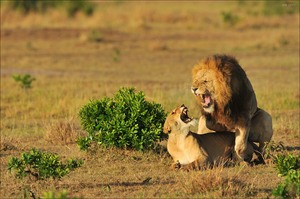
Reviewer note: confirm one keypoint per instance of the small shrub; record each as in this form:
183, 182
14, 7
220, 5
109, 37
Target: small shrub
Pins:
95, 36
272, 149
24, 80
288, 166
41, 165
126, 121
73, 7
56, 195
285, 163
26, 6
229, 18
116, 55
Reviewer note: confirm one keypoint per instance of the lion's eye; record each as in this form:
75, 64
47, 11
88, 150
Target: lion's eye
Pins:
173, 112
205, 81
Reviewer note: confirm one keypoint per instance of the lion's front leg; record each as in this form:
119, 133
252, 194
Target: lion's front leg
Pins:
202, 129
212, 124
241, 139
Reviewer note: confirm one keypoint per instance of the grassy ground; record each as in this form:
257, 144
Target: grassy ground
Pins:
153, 47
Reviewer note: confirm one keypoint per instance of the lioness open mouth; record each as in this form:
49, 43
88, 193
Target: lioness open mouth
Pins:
184, 114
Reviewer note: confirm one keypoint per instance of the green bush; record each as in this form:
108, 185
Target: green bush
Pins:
285, 163
288, 166
41, 165
126, 121
27, 6
229, 18
24, 80
56, 195
72, 7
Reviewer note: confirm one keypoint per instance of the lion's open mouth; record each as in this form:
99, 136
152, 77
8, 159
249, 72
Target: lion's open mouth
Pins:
184, 115
207, 101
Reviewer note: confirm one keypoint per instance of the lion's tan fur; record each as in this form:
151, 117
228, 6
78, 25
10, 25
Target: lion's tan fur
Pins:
232, 96
194, 151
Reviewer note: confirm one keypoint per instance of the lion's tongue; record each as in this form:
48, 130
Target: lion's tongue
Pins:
206, 100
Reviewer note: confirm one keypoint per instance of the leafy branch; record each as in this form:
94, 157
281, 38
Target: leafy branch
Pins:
41, 165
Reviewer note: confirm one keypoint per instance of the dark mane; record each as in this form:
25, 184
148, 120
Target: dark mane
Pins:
241, 89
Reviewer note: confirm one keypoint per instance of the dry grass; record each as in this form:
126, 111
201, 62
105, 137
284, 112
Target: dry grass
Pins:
158, 45
62, 132
217, 183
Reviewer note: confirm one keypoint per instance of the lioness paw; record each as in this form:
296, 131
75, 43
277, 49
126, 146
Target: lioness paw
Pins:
176, 165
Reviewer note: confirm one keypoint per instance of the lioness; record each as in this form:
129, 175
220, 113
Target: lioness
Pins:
226, 97
260, 130
194, 151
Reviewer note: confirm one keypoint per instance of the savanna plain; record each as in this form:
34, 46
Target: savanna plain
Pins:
151, 46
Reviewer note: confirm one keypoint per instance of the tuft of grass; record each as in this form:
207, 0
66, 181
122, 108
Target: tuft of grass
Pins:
116, 55
95, 36
216, 183
274, 148
62, 132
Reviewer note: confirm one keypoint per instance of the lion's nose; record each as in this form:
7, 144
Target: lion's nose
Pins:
194, 89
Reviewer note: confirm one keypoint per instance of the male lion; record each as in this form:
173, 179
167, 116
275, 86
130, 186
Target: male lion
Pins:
226, 97
194, 151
